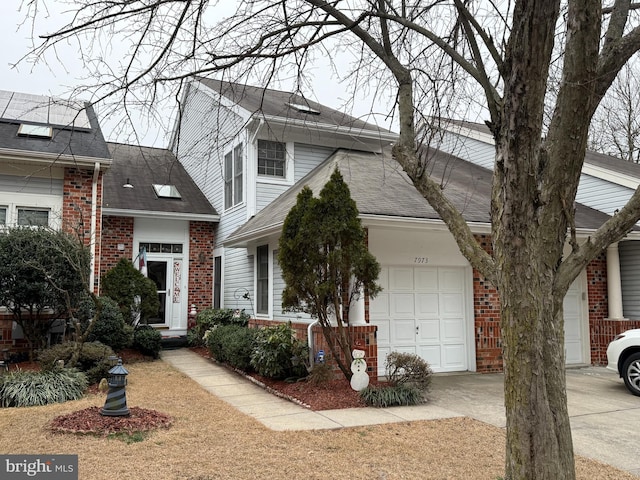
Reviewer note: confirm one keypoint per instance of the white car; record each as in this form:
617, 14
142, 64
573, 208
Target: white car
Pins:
623, 357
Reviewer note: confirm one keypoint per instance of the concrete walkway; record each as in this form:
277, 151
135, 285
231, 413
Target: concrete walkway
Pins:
604, 416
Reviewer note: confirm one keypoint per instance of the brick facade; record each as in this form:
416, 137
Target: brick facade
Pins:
115, 231
76, 209
364, 338
201, 242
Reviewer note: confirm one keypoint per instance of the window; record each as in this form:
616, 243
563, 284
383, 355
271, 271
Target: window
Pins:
29, 130
233, 177
3, 216
262, 279
33, 217
272, 158
217, 282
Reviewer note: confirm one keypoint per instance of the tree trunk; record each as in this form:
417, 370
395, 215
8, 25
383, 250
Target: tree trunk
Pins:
539, 444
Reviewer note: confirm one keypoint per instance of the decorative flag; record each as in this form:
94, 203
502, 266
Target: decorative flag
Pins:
142, 261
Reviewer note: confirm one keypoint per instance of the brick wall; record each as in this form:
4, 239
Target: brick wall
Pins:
486, 311
364, 338
201, 241
115, 231
76, 208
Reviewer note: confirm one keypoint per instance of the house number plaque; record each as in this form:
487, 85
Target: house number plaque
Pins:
421, 260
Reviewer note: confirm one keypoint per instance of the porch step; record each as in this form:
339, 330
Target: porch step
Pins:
171, 343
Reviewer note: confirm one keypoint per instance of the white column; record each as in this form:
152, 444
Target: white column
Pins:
356, 312
614, 285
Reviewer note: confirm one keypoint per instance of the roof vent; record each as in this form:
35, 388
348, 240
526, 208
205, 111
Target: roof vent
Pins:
303, 108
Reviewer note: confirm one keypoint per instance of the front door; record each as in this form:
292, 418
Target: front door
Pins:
159, 272
166, 273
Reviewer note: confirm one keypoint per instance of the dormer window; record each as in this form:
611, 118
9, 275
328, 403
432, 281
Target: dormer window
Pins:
167, 191
31, 130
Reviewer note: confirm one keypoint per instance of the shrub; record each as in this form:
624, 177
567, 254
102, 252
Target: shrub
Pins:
147, 340
211, 317
26, 388
408, 369
278, 354
320, 374
232, 344
124, 284
93, 358
109, 327
392, 395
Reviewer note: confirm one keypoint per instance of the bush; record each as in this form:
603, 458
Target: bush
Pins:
408, 369
232, 344
389, 395
211, 317
278, 354
147, 340
93, 358
124, 284
109, 327
26, 388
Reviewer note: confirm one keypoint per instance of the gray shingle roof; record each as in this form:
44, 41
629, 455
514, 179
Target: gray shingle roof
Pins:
276, 103
66, 139
380, 187
143, 167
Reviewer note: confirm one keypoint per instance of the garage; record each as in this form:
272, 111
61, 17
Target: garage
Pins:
422, 310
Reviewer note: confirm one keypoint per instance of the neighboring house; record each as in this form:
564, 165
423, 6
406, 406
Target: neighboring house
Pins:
251, 150
53, 173
606, 184
150, 202
52, 161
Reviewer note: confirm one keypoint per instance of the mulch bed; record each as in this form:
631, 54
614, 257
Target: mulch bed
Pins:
91, 421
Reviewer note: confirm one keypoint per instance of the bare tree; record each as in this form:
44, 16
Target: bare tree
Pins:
616, 124
504, 50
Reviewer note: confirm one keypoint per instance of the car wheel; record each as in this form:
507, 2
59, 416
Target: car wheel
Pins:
631, 373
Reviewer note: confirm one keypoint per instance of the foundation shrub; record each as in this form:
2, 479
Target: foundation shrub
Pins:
93, 358
212, 317
408, 369
109, 326
391, 395
147, 340
232, 344
278, 354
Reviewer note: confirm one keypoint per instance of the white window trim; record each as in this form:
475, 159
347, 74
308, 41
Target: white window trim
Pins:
232, 151
269, 313
289, 166
15, 201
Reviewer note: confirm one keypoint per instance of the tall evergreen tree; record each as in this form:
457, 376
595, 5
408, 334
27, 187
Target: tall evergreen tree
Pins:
325, 263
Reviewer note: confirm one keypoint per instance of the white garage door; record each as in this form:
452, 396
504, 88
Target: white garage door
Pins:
421, 310
574, 324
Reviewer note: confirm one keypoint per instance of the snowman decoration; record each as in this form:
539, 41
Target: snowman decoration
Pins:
360, 379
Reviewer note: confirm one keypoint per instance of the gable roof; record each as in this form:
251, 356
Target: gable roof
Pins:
381, 189
76, 137
280, 104
142, 167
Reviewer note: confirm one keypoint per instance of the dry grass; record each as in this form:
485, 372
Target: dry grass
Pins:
211, 440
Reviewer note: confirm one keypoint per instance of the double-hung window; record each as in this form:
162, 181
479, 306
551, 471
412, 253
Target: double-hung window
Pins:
33, 217
272, 159
233, 172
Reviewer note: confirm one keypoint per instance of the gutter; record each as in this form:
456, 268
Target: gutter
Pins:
125, 212
58, 159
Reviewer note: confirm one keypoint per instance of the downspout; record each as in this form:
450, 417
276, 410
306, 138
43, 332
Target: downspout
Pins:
94, 220
310, 341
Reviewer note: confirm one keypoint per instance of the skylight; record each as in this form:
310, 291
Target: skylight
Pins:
30, 130
166, 191
304, 108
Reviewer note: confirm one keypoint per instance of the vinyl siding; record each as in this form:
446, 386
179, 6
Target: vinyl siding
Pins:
474, 151
238, 279
630, 277
278, 288
31, 185
601, 194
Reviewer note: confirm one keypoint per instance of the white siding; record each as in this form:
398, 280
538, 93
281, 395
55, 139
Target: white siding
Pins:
601, 194
629, 267
474, 151
309, 157
238, 280
278, 288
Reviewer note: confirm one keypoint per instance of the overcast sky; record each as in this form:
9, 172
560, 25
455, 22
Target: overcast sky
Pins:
62, 73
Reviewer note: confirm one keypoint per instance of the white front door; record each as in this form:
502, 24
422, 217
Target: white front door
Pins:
166, 273
421, 310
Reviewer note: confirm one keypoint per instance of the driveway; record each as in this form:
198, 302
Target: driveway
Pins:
605, 417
